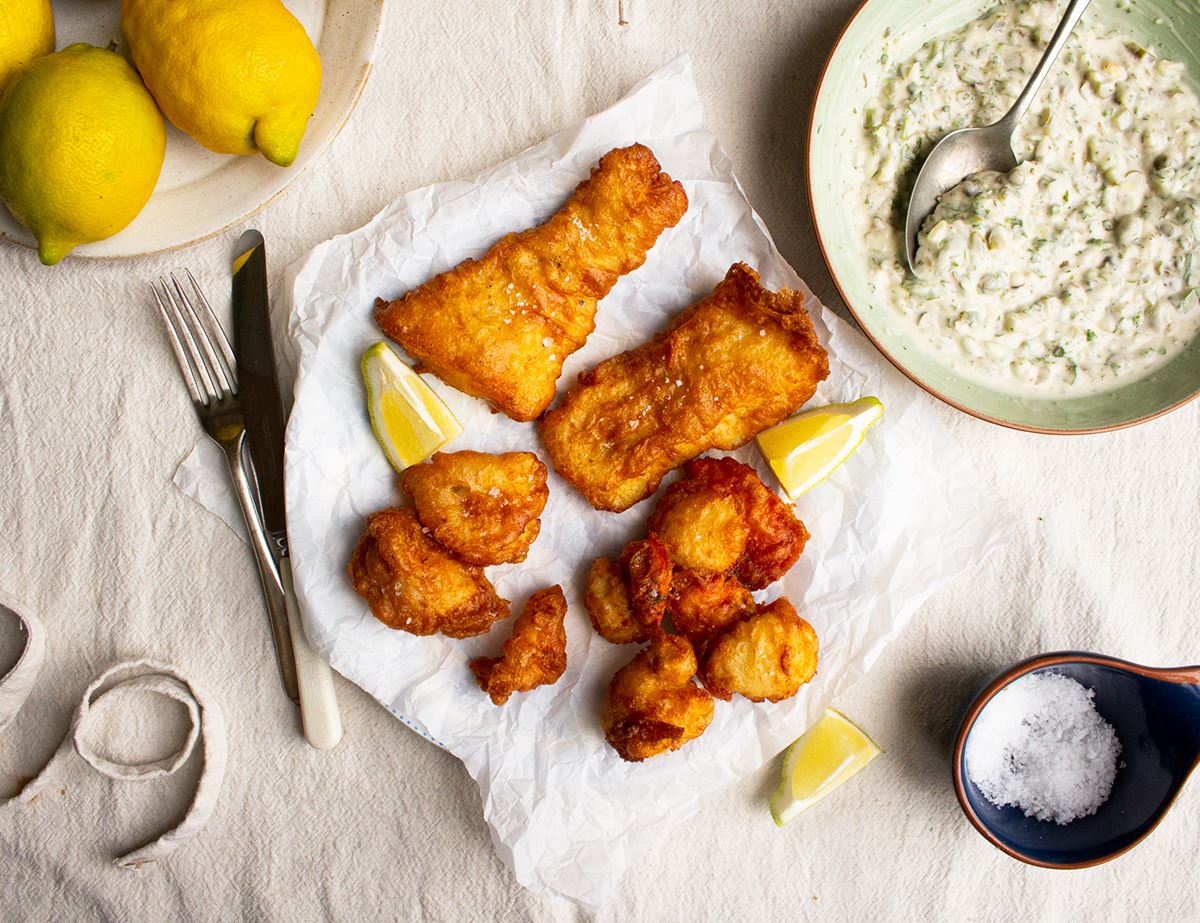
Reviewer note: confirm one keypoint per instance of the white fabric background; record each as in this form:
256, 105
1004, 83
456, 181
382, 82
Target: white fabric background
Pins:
119, 564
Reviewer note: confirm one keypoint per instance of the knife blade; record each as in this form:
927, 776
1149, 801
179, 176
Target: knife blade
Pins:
262, 408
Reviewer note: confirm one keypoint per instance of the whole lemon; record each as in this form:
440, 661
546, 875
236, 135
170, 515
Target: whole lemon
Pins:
26, 32
81, 147
239, 76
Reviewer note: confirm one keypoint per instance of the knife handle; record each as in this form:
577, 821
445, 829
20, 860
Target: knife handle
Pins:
272, 586
318, 702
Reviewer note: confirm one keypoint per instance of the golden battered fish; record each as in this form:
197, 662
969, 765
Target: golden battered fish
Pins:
725, 369
413, 584
501, 326
766, 656
535, 655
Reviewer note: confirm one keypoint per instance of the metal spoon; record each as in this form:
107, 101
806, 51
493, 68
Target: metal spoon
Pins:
1155, 712
970, 150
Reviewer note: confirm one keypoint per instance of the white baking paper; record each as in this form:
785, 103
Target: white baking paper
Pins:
904, 515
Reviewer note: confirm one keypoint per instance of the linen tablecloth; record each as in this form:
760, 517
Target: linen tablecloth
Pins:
119, 564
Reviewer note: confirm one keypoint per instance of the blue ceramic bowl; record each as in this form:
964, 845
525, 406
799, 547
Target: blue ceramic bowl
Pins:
1156, 715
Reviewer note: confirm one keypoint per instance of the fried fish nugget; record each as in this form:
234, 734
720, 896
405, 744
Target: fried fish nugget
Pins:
535, 655
652, 705
501, 326
413, 584
626, 599
724, 370
767, 656
485, 508
704, 529
702, 604
647, 570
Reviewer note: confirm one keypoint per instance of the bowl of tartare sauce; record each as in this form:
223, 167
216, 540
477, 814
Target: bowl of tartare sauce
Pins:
1061, 297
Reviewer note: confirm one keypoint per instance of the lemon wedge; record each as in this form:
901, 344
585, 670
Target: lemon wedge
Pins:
831, 752
410, 421
805, 449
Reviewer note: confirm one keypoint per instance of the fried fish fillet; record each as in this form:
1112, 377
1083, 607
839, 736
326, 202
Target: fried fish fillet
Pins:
535, 655
766, 656
652, 705
702, 604
500, 327
726, 368
627, 598
485, 508
413, 584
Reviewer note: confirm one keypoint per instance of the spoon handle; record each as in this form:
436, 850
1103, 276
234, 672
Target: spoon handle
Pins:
1074, 11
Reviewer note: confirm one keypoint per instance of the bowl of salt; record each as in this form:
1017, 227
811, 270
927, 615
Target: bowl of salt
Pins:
1069, 759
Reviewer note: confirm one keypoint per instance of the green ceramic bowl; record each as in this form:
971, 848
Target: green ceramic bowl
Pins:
847, 84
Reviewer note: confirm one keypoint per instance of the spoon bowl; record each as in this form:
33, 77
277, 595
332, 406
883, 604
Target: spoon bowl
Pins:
1155, 712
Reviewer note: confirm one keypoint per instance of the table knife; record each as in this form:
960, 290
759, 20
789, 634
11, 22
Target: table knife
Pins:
263, 409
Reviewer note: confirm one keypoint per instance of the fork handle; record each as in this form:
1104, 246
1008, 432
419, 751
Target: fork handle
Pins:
272, 587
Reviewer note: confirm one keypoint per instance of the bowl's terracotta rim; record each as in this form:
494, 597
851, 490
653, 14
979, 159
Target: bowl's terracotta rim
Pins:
968, 720
866, 330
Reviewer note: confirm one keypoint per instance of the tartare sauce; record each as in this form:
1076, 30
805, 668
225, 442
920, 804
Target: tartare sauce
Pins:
1077, 271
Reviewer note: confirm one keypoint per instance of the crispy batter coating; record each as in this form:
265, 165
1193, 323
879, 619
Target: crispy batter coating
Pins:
702, 524
775, 538
652, 705
767, 656
483, 507
413, 584
627, 598
500, 327
646, 567
724, 370
703, 603
535, 655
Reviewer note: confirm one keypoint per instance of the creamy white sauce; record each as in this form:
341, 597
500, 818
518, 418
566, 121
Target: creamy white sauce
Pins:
1078, 271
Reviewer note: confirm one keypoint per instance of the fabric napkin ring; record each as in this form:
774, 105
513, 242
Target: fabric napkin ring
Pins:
107, 691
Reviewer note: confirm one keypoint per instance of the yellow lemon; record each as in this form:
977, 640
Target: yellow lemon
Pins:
833, 750
410, 421
81, 147
26, 32
239, 76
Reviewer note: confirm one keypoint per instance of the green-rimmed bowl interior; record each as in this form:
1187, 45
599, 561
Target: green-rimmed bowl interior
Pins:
851, 80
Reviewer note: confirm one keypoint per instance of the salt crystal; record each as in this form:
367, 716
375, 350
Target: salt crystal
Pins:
1041, 746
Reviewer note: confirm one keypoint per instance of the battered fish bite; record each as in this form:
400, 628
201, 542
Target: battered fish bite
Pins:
484, 508
627, 598
725, 369
535, 655
501, 326
702, 527
775, 537
652, 705
703, 604
413, 584
766, 656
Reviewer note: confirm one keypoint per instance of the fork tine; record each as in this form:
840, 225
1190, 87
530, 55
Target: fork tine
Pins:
209, 389
180, 357
223, 381
222, 339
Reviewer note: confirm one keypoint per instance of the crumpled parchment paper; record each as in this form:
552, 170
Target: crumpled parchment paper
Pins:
904, 515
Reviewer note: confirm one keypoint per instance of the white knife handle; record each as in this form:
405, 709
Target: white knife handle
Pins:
318, 702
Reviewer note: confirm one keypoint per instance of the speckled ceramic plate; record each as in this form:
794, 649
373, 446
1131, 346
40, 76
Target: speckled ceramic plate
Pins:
201, 193
846, 85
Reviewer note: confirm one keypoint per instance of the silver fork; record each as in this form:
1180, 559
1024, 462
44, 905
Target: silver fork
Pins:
208, 367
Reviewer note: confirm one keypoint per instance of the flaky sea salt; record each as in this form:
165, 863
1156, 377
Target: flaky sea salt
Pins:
1041, 746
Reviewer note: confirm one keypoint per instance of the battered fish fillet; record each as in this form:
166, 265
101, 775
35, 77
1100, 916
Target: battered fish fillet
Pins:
535, 655
727, 368
483, 507
500, 327
626, 598
774, 538
767, 656
702, 523
413, 584
702, 604
652, 705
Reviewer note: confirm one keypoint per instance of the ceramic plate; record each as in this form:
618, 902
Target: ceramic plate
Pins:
201, 193
848, 83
